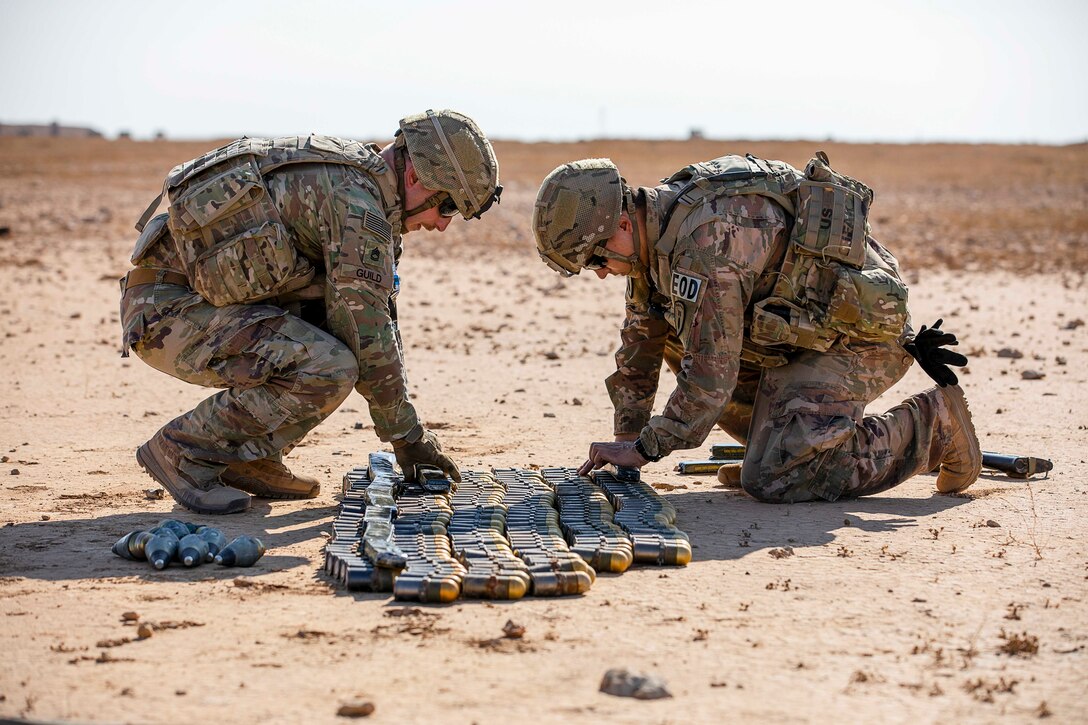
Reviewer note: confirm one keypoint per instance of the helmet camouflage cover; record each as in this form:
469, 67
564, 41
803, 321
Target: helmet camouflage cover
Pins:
451, 154
578, 207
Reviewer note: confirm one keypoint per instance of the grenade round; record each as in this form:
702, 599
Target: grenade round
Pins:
160, 549
215, 540
131, 545
192, 550
243, 551
178, 528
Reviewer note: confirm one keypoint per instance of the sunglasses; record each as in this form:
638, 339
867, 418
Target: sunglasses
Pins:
447, 207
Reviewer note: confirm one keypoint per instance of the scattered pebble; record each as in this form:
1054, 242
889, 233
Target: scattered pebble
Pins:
512, 630
357, 708
1060, 360
1073, 324
549, 415
358, 425
576, 401
781, 553
1010, 352
993, 524
622, 683
154, 494
46, 517
129, 617
144, 630
15, 471
1032, 375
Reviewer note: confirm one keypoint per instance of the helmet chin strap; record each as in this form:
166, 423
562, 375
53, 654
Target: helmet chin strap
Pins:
638, 267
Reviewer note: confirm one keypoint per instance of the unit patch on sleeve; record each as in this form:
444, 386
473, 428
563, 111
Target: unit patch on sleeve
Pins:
687, 293
686, 286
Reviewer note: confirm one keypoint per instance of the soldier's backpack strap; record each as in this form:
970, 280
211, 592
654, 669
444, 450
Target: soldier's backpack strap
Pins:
150, 211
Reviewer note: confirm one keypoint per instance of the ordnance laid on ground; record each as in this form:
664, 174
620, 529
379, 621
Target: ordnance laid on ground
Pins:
586, 518
243, 551
380, 510
215, 540
192, 550
647, 518
131, 545
1016, 466
727, 452
179, 528
532, 526
691, 468
161, 548
476, 530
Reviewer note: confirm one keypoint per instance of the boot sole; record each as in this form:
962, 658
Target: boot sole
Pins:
154, 468
957, 403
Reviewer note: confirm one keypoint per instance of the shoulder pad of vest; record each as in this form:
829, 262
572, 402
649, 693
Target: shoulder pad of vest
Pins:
251, 146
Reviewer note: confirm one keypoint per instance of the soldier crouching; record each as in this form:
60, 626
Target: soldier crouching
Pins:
781, 316
273, 277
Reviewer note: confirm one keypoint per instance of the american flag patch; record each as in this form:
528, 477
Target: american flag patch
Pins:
378, 225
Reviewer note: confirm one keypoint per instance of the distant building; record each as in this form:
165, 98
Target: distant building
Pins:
47, 129
696, 134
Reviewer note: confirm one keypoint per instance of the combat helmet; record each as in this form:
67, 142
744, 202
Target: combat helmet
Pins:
577, 209
450, 154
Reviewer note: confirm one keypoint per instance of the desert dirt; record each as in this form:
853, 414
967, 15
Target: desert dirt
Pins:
904, 607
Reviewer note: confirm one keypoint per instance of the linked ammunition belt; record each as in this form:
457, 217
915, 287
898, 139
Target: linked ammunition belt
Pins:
585, 516
532, 525
477, 531
648, 519
498, 535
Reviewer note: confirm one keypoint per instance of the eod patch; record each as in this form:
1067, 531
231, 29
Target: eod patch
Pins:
687, 293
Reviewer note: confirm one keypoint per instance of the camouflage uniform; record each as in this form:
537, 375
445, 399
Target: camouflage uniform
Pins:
282, 375
803, 421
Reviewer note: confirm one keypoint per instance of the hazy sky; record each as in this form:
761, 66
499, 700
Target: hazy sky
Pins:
992, 70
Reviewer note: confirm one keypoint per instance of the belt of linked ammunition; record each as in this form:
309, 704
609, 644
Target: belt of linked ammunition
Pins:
586, 518
532, 526
477, 532
648, 518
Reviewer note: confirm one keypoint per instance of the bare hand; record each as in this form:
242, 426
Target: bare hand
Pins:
622, 453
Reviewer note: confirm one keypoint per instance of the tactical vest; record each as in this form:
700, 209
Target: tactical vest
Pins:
227, 232
834, 279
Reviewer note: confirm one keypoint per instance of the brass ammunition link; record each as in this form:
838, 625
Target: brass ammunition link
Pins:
648, 518
532, 526
586, 518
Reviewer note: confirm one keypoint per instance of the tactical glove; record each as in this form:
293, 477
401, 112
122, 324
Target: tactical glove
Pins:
927, 347
425, 451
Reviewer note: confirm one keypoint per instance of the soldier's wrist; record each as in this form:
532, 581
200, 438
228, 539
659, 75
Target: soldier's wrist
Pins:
647, 446
412, 436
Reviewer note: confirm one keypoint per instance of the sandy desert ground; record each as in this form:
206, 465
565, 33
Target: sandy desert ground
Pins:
903, 607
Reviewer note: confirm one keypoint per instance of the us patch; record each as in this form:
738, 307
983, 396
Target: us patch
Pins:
378, 225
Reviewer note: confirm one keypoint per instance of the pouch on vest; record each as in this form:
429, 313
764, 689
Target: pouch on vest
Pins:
229, 237
777, 321
830, 272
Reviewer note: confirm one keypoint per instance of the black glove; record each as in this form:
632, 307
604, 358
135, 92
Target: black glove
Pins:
927, 347
426, 451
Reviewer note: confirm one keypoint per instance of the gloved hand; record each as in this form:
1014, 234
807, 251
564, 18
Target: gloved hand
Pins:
927, 347
426, 451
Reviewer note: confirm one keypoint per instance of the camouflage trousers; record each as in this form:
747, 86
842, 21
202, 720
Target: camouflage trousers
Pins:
280, 375
805, 428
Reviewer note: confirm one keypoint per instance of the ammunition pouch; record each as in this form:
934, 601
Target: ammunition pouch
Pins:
229, 237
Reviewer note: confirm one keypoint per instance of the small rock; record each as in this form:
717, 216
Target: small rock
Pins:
129, 617
576, 401
144, 630
993, 524
549, 415
4, 459
357, 708
781, 553
1061, 360
622, 683
15, 471
512, 630
1032, 375
46, 517
1073, 324
1010, 352
5, 231
154, 494
358, 425
551, 355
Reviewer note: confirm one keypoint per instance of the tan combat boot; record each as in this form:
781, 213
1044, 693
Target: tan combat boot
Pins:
203, 494
729, 475
268, 478
961, 462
